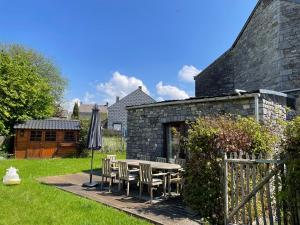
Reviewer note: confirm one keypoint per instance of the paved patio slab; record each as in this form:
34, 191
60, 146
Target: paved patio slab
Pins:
170, 211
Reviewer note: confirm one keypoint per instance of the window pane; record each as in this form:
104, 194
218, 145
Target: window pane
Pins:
35, 135
69, 136
117, 126
174, 137
50, 135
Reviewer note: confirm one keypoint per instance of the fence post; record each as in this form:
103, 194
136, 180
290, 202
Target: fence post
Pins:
225, 188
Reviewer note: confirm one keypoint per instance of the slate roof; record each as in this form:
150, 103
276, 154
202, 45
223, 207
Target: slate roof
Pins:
133, 98
49, 124
87, 108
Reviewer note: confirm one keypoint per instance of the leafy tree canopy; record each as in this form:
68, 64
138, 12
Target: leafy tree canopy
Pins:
30, 86
43, 67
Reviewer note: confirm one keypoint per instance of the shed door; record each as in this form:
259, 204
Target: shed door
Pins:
34, 150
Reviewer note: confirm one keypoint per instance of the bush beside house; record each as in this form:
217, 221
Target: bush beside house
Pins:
208, 140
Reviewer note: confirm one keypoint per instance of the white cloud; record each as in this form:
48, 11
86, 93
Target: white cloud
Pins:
187, 73
170, 92
88, 98
120, 85
70, 104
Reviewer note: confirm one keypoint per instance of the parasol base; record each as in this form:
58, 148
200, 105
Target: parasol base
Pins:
90, 184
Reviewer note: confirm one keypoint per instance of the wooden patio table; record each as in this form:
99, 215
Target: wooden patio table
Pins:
167, 167
154, 165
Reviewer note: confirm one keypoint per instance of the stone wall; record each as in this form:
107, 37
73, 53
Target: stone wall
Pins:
146, 124
289, 44
266, 55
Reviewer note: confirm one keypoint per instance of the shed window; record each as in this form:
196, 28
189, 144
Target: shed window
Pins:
50, 135
35, 135
69, 136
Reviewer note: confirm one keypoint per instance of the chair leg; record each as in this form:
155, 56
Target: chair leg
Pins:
119, 185
102, 181
151, 195
141, 189
128, 188
169, 186
110, 181
165, 186
177, 188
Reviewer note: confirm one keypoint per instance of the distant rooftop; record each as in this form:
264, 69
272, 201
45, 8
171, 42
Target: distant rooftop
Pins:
49, 124
87, 108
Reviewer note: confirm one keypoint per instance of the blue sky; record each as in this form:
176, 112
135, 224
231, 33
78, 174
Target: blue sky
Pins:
110, 47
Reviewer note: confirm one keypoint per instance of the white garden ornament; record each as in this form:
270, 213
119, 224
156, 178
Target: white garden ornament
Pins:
11, 177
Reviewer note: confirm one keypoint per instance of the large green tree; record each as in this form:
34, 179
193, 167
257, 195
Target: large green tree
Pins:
43, 67
24, 92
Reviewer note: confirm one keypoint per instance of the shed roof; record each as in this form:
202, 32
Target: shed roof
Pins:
49, 124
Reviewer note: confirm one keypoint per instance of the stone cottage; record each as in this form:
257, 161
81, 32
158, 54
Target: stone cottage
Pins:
258, 76
117, 114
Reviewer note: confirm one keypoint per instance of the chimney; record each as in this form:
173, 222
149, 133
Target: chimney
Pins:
106, 104
140, 87
117, 98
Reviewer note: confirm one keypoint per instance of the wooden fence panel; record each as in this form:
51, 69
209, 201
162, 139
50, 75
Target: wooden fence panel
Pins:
249, 185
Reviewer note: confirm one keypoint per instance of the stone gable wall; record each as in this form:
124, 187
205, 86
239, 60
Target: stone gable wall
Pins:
289, 44
266, 55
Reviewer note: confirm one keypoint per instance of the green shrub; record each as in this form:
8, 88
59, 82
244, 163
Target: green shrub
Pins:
291, 192
208, 139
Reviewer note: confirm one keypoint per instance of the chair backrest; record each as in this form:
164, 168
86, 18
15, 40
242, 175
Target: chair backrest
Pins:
161, 159
145, 173
106, 167
180, 162
123, 170
145, 157
111, 157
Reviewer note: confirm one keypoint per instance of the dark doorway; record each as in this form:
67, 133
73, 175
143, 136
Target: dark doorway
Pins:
174, 135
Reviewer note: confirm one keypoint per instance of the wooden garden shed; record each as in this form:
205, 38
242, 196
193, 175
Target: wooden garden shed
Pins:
46, 138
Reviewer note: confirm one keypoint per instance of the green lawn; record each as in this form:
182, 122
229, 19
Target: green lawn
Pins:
33, 203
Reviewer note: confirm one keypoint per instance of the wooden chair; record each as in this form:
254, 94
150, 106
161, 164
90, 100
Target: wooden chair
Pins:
177, 177
113, 158
145, 157
107, 173
161, 159
124, 175
181, 162
151, 180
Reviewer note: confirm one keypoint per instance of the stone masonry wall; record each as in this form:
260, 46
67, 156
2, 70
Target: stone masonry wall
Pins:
146, 125
265, 56
289, 44
255, 54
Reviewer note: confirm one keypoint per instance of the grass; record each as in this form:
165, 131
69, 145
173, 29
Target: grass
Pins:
34, 203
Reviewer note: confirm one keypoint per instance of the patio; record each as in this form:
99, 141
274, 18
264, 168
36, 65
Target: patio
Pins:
170, 211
